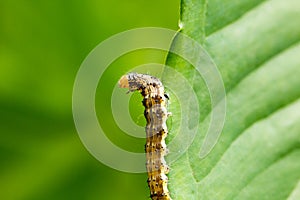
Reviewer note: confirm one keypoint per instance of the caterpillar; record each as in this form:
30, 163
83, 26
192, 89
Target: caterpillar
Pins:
156, 114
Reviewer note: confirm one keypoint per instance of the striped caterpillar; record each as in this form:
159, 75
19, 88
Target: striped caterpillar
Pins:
156, 130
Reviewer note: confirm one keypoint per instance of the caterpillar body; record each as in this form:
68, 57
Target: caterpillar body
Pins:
156, 114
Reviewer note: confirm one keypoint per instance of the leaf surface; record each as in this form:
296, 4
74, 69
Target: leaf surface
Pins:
255, 45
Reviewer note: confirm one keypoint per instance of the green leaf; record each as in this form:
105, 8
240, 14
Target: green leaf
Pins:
256, 47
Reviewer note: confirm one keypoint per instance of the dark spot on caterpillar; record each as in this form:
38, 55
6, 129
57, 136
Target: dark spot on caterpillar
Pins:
167, 96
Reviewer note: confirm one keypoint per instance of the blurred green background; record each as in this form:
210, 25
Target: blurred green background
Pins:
42, 45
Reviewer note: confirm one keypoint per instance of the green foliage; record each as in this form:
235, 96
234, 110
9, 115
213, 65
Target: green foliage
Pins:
42, 45
255, 45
